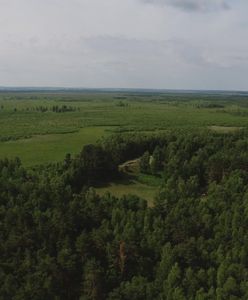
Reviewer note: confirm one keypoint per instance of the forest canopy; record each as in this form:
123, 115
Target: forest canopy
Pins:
60, 240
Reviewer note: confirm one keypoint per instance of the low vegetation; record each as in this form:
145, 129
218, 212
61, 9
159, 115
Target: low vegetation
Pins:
40, 118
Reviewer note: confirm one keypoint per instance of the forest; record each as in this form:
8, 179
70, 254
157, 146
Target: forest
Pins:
59, 239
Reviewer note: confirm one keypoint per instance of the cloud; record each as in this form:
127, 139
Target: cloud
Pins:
116, 43
193, 5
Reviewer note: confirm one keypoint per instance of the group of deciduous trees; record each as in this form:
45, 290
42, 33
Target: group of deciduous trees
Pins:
60, 240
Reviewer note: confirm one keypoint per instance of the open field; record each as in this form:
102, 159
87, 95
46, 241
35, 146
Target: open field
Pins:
49, 148
43, 127
119, 189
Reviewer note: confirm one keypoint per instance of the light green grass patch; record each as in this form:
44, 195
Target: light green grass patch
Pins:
50, 148
225, 129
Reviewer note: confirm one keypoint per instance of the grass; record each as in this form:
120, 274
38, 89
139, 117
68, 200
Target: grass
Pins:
224, 129
48, 148
145, 186
121, 188
150, 180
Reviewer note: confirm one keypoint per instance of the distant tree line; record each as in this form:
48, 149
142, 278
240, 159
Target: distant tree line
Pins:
54, 108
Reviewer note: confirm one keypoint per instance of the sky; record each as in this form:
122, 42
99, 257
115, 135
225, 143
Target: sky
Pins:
168, 44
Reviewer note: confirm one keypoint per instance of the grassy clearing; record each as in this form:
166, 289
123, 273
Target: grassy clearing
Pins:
51, 147
133, 182
133, 187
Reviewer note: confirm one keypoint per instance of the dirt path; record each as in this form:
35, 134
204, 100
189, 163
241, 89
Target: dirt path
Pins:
130, 166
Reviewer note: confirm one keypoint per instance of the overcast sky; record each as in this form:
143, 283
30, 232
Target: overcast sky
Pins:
183, 44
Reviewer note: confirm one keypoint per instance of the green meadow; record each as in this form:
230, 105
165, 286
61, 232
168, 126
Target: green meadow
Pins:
48, 148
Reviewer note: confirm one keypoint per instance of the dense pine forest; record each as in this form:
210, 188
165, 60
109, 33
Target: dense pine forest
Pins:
60, 240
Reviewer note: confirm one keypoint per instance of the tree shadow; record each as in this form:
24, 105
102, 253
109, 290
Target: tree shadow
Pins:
123, 178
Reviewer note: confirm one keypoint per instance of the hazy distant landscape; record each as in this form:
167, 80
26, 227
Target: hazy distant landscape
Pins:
42, 127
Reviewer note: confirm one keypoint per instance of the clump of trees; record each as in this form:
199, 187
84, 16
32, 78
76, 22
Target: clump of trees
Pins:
122, 104
60, 240
64, 108
54, 108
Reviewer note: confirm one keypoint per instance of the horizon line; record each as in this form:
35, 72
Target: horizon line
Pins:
61, 88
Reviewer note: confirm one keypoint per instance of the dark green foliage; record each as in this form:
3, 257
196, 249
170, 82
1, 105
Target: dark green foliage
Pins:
145, 163
60, 240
